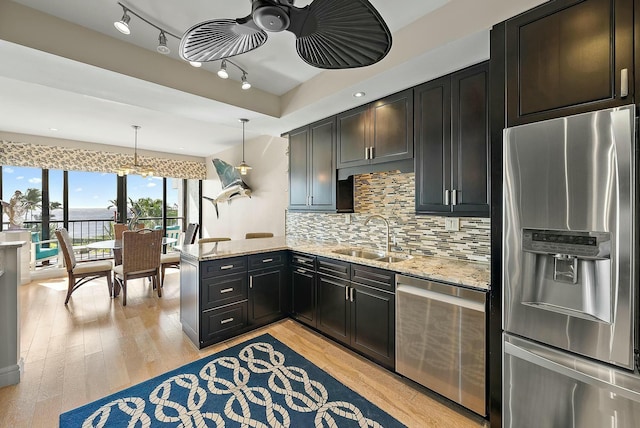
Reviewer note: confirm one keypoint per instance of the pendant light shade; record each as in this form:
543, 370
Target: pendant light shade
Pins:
243, 166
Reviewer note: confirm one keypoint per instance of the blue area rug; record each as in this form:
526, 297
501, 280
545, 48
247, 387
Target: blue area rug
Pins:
258, 383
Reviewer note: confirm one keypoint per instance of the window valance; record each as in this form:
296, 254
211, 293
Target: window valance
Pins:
74, 159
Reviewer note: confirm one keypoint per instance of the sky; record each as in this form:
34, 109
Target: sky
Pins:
86, 189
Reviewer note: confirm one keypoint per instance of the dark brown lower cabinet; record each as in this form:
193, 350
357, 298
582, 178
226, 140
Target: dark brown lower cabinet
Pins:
334, 308
360, 316
303, 289
373, 324
223, 298
267, 291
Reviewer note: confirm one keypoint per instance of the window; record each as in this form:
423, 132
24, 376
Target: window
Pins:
144, 196
91, 205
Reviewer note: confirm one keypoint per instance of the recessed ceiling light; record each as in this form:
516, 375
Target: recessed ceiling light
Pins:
53, 129
195, 64
359, 94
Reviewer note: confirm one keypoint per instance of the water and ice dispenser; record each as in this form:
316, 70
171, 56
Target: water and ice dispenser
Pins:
568, 272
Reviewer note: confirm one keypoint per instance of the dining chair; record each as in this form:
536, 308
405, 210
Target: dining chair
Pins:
118, 228
258, 235
140, 259
208, 240
172, 258
81, 273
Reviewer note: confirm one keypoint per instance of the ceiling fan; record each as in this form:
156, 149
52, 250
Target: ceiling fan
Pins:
330, 34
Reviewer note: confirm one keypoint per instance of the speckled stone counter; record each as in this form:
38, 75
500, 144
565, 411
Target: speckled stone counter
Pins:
470, 274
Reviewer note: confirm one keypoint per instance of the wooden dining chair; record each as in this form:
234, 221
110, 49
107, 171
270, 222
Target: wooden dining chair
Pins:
141, 251
209, 240
172, 258
81, 273
258, 235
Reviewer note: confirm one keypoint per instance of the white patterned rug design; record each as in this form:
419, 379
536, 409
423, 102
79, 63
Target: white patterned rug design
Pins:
259, 383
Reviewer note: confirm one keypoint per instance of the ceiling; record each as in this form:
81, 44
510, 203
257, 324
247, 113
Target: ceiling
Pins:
65, 67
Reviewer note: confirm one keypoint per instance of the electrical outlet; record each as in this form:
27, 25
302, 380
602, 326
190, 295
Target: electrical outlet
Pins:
452, 224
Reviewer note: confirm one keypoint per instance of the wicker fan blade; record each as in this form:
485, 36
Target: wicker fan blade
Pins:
220, 38
336, 34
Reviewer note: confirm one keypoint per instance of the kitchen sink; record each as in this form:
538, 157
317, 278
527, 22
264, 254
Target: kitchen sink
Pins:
379, 256
358, 252
393, 259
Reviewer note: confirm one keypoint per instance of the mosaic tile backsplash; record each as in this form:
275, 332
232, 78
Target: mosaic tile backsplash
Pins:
391, 194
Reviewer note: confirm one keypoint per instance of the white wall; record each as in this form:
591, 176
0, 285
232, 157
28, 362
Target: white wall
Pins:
265, 210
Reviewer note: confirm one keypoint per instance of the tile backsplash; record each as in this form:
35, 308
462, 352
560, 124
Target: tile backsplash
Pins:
391, 194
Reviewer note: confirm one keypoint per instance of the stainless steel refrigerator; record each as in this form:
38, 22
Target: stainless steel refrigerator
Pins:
570, 283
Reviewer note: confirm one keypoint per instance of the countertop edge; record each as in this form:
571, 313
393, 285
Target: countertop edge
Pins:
470, 274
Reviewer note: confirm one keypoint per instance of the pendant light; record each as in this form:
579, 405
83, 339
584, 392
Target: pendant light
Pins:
136, 168
243, 167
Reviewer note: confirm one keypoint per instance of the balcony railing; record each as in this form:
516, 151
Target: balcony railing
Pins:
83, 232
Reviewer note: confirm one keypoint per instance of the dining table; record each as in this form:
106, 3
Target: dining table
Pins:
116, 246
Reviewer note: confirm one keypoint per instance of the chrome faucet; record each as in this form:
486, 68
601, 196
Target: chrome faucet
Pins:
385, 222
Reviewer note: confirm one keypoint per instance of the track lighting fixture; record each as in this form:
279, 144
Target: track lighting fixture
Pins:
123, 24
162, 44
245, 84
222, 73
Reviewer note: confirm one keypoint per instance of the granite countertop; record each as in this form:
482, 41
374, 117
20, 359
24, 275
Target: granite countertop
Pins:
470, 274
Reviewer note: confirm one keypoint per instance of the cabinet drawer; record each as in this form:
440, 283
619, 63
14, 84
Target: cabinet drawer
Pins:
261, 261
220, 323
223, 267
333, 267
374, 277
223, 290
304, 260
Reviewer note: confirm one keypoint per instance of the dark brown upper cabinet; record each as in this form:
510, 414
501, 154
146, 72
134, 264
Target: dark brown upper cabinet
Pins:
567, 57
377, 132
312, 167
451, 140
313, 184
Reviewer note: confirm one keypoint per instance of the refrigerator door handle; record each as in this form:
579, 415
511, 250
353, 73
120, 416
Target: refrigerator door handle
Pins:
529, 355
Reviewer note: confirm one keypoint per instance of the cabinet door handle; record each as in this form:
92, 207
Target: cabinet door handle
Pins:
351, 293
226, 267
346, 293
226, 290
250, 281
624, 82
454, 197
366, 152
228, 320
310, 200
267, 260
371, 154
447, 199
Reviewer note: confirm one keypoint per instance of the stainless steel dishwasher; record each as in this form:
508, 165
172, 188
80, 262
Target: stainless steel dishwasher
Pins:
440, 339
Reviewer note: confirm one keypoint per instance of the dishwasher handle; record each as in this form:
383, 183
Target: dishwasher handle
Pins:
472, 304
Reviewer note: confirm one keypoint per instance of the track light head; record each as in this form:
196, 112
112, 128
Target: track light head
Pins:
222, 73
162, 44
245, 84
123, 24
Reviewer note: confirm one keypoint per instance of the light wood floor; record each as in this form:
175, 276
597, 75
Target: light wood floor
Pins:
93, 347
